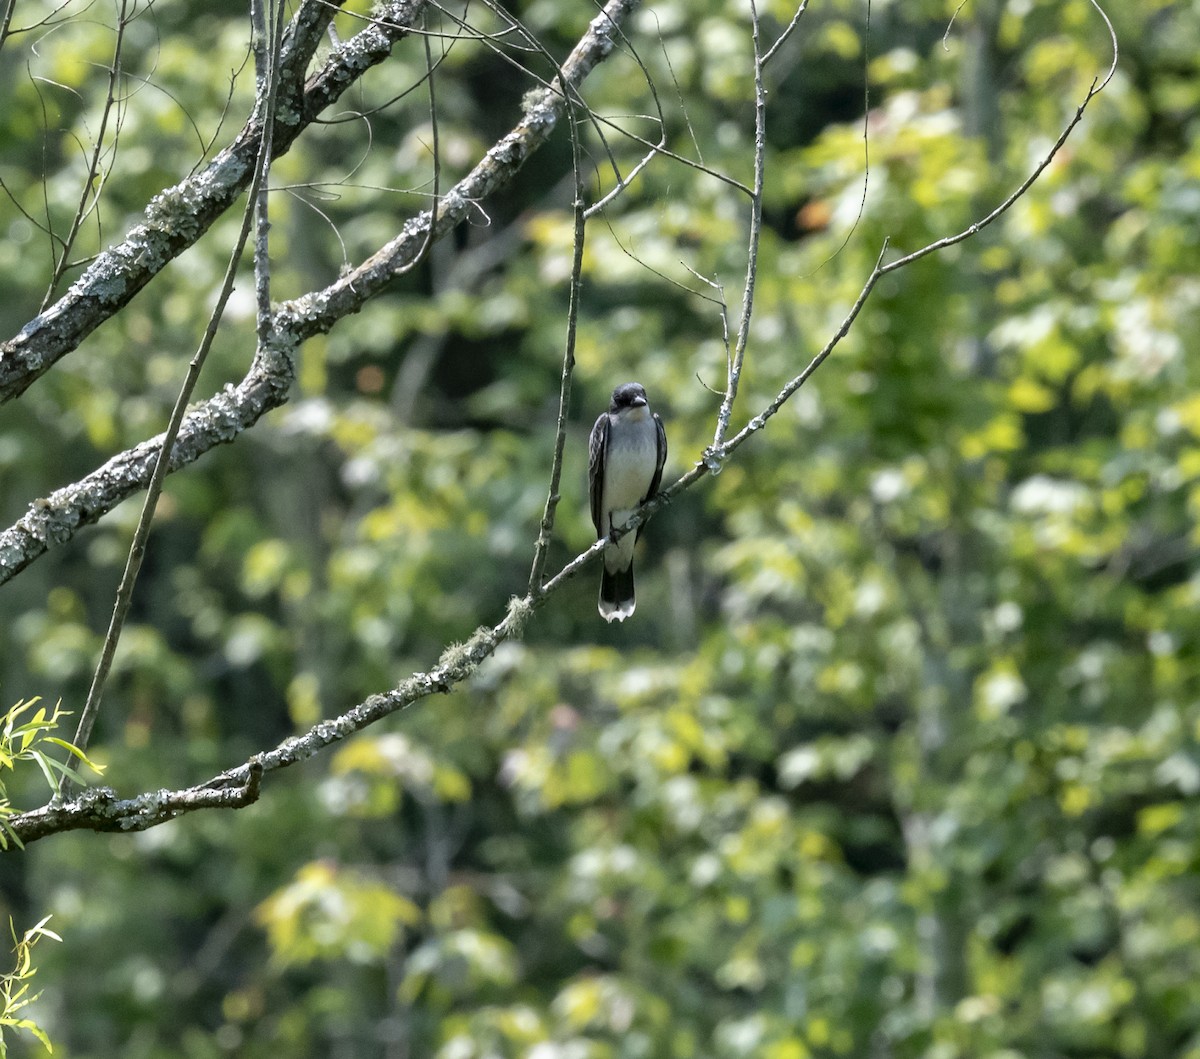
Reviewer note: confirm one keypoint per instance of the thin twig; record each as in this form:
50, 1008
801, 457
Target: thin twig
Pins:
542, 546
437, 157
671, 281
623, 182
1096, 88
866, 138
93, 170
950, 25
137, 550
264, 76
759, 421
675, 156
6, 20
791, 26
735, 362
719, 299
660, 120
47, 19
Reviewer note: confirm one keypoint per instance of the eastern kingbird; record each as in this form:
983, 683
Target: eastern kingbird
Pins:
625, 462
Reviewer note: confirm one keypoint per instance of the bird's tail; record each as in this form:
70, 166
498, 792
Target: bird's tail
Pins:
616, 593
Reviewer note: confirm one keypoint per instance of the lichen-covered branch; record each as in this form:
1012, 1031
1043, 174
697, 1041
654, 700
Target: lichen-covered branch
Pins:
53, 520
317, 312
100, 809
177, 217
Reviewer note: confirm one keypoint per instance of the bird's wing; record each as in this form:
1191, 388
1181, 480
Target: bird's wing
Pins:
597, 449
662, 458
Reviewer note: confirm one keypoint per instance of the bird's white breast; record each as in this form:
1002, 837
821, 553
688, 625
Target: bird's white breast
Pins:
630, 462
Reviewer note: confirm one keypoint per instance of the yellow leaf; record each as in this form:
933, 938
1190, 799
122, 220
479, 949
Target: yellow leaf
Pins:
1075, 799
1028, 396
1155, 819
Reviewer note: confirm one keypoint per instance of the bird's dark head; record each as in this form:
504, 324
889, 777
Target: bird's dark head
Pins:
628, 395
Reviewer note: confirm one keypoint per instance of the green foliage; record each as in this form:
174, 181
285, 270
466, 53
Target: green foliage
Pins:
15, 984
25, 738
325, 913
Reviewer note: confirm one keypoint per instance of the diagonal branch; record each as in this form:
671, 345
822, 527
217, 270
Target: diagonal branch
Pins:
177, 217
317, 312
100, 809
53, 520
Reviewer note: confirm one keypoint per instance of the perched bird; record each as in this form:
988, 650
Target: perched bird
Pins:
625, 463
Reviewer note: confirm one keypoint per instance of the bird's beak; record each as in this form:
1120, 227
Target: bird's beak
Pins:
638, 402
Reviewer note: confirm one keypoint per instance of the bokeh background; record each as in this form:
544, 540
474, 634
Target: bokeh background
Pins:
897, 758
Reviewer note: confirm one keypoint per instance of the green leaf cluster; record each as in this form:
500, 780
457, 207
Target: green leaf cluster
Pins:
28, 738
15, 985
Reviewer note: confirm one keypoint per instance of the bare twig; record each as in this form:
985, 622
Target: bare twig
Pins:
950, 25
787, 32
623, 181
735, 362
420, 255
137, 549
1098, 85
6, 20
759, 421
866, 138
599, 125
675, 156
719, 299
46, 20
542, 546
90, 191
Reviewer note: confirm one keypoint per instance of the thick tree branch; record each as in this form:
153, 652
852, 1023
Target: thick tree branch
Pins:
177, 217
100, 809
54, 520
317, 312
